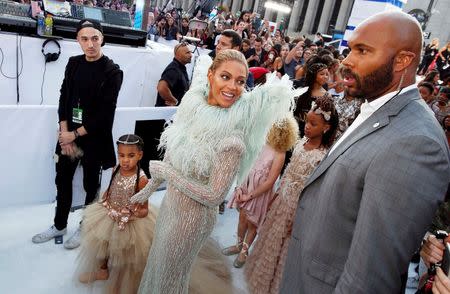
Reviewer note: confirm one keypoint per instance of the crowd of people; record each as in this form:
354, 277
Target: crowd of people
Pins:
435, 85
268, 50
361, 160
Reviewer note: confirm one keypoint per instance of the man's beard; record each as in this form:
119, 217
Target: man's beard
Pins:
371, 85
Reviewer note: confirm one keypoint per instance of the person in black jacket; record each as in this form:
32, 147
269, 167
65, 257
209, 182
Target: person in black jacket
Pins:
430, 52
86, 114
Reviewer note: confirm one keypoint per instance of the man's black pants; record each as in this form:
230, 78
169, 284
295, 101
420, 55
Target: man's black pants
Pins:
65, 170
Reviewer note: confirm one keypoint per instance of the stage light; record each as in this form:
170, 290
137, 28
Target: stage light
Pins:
278, 7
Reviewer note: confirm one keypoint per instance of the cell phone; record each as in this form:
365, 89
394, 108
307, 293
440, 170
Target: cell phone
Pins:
58, 239
445, 263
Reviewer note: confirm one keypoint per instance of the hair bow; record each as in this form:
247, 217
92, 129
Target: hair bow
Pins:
326, 114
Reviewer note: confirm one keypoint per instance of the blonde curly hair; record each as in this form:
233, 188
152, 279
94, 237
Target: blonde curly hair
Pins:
284, 134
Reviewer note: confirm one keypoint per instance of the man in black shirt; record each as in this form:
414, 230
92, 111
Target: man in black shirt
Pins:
257, 54
246, 48
174, 80
86, 110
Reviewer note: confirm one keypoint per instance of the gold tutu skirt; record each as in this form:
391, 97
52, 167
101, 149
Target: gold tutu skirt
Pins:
126, 251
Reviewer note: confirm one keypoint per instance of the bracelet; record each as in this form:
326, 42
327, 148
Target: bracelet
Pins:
75, 132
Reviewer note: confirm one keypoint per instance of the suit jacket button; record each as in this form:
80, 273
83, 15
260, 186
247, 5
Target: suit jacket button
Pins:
375, 125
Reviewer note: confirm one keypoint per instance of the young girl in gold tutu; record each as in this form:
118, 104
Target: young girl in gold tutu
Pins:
117, 234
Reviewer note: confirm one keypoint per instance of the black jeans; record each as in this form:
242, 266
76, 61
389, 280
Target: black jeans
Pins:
423, 67
65, 170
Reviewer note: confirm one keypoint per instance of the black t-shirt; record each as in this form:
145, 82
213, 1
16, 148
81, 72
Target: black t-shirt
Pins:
320, 43
430, 52
244, 34
86, 79
209, 42
172, 33
443, 63
248, 53
184, 30
176, 77
255, 63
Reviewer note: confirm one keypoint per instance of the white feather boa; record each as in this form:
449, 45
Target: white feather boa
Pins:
198, 128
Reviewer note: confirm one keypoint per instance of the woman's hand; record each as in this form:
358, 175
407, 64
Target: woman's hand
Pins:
245, 197
331, 85
441, 284
432, 250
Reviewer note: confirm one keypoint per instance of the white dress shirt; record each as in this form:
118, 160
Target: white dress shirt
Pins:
367, 109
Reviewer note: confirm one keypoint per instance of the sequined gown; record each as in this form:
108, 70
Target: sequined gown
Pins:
265, 263
205, 147
186, 219
127, 249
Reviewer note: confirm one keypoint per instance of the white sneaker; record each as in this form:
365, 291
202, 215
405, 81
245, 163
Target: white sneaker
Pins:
74, 241
49, 234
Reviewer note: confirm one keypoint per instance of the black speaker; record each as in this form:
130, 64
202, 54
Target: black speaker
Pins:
49, 57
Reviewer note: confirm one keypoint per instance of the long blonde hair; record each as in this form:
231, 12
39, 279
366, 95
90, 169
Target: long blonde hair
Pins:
435, 42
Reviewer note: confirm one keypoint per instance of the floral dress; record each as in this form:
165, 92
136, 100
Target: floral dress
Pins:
265, 263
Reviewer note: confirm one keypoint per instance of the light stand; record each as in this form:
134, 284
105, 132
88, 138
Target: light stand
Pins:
179, 12
195, 24
195, 8
164, 8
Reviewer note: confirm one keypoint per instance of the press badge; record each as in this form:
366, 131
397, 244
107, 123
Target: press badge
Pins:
77, 115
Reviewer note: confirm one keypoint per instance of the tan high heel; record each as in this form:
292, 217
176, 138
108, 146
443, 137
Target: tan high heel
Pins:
242, 257
233, 249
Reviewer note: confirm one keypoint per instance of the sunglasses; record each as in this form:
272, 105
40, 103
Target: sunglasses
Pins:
179, 45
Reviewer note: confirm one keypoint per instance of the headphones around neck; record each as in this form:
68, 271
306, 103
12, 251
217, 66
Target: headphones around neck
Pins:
49, 57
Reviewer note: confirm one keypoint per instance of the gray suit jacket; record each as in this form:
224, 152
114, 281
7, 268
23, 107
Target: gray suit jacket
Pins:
366, 207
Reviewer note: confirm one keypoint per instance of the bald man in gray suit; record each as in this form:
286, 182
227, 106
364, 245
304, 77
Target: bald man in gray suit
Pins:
365, 209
